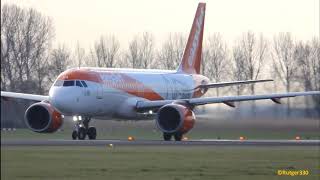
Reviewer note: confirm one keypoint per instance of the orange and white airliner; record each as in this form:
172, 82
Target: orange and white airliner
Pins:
103, 93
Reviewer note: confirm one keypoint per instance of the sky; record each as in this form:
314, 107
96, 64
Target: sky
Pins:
84, 21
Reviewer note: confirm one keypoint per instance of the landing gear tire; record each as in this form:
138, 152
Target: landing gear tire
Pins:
82, 129
178, 136
167, 137
92, 133
82, 133
74, 135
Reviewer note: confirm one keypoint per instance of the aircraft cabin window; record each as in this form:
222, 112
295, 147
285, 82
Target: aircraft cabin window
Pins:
78, 84
84, 84
58, 83
68, 83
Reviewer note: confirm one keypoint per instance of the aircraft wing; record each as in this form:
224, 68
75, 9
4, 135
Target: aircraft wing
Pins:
34, 97
228, 100
224, 84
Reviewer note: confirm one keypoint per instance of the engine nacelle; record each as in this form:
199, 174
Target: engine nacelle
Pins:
43, 118
173, 118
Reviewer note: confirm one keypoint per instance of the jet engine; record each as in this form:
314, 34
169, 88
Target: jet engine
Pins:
43, 118
175, 118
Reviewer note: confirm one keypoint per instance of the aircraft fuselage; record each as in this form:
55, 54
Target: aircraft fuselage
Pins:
115, 92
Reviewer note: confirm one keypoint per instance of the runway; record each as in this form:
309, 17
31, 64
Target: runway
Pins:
201, 142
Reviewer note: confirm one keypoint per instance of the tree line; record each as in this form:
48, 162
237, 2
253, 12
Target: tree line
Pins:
30, 63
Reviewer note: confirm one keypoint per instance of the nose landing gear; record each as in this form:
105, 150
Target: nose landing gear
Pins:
82, 129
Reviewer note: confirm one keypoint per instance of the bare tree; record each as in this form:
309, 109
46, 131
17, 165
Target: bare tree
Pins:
307, 55
284, 63
106, 51
141, 51
254, 51
171, 52
302, 56
59, 61
315, 64
7, 67
132, 55
79, 54
180, 41
26, 37
165, 56
146, 50
91, 59
9, 29
206, 58
238, 71
42, 76
239, 66
215, 62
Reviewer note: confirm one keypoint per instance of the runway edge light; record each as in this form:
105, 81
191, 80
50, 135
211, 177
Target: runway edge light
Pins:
131, 138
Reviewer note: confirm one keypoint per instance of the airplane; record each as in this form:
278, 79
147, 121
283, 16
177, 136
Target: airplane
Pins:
133, 94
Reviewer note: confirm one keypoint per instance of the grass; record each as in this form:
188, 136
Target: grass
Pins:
157, 162
149, 133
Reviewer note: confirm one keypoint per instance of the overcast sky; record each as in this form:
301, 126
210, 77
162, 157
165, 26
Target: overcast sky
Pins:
85, 21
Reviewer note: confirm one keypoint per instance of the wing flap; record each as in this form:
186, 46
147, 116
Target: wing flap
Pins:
230, 104
276, 100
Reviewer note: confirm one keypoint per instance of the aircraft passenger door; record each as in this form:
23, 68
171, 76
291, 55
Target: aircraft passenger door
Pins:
172, 89
166, 87
99, 91
141, 91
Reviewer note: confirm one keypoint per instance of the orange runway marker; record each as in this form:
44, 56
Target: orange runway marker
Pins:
130, 138
242, 138
185, 138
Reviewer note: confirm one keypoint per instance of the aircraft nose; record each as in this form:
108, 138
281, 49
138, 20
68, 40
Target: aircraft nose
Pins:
62, 100
56, 101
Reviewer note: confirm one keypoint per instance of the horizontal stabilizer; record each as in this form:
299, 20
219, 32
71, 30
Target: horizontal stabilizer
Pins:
233, 83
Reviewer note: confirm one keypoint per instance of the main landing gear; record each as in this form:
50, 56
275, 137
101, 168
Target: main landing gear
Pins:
177, 136
82, 129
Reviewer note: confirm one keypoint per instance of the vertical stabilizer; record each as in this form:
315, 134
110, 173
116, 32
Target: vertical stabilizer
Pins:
191, 59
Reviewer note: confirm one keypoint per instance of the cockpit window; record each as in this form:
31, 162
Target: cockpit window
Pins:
78, 84
58, 83
68, 83
84, 84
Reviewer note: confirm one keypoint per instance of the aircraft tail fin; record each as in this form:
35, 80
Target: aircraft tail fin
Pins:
191, 59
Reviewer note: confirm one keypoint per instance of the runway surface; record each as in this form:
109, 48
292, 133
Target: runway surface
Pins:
201, 142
